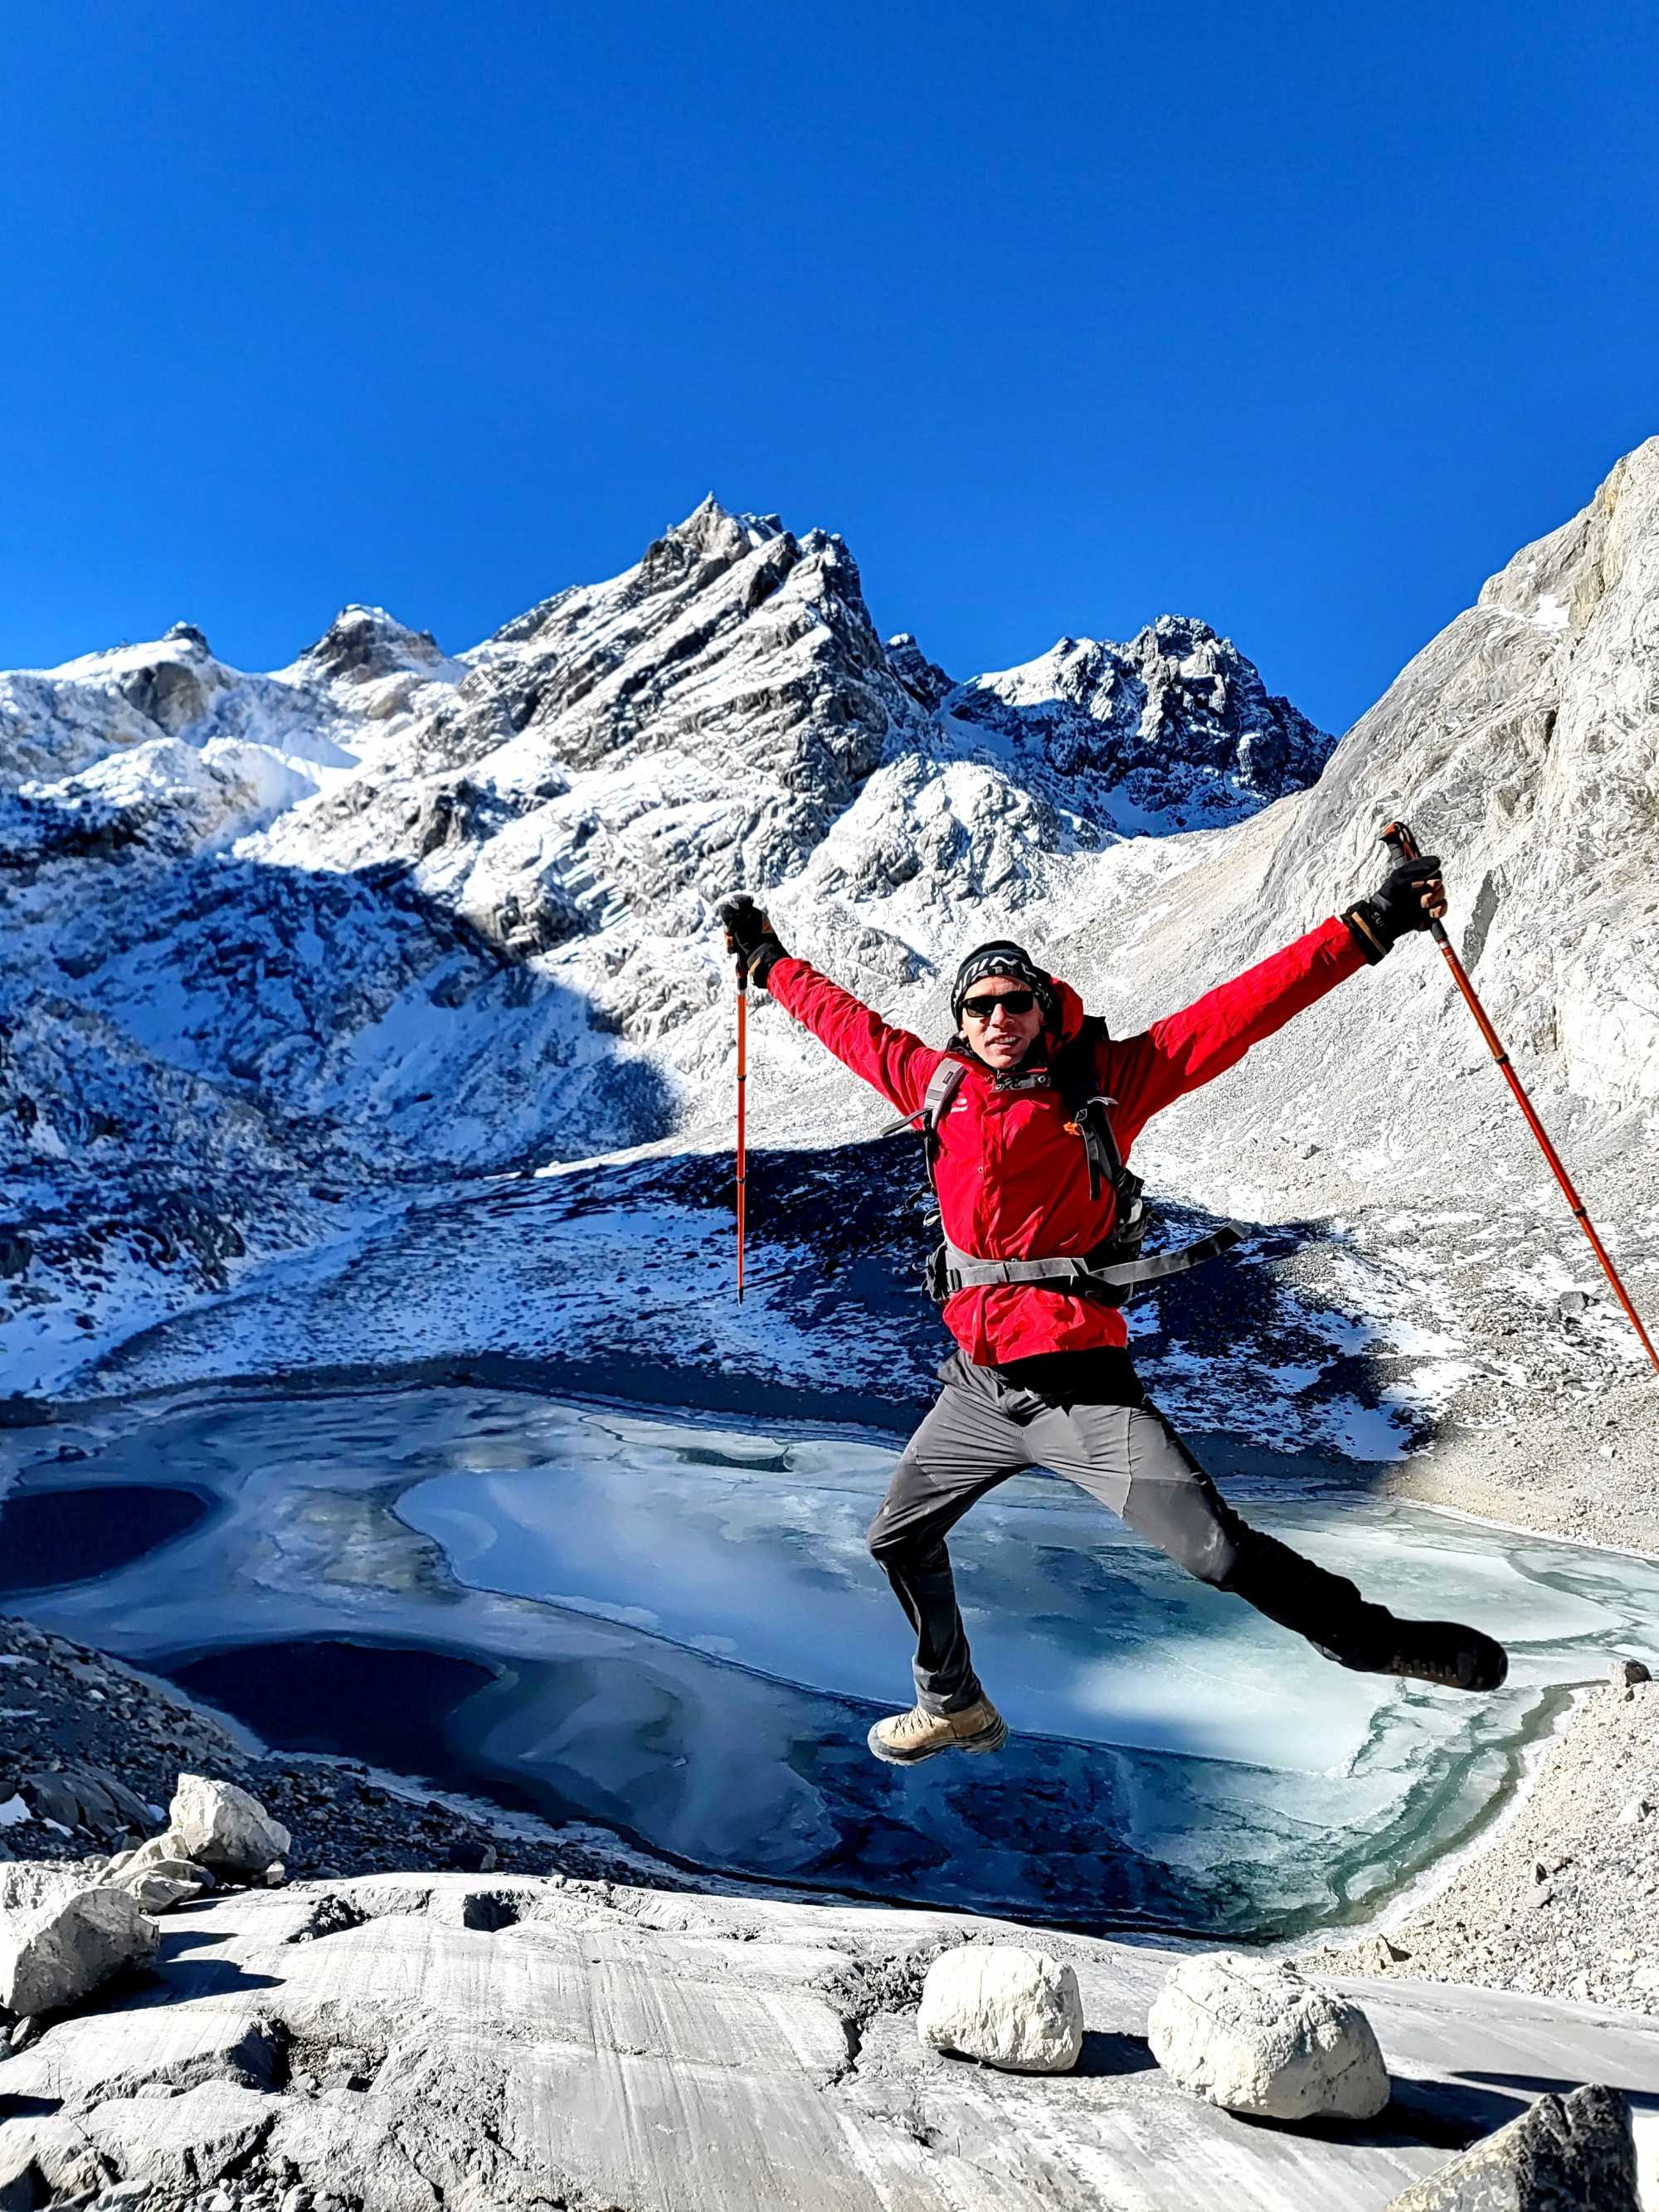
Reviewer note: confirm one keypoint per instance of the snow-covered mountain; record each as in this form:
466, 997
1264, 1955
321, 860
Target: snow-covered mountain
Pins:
286, 948
387, 914
1177, 724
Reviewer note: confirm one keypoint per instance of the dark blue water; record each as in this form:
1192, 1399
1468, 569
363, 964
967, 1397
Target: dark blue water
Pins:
73, 1535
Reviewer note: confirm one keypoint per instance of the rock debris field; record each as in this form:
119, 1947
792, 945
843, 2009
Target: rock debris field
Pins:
87, 1746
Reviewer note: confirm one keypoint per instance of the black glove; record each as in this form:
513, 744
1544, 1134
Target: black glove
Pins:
750, 936
1396, 907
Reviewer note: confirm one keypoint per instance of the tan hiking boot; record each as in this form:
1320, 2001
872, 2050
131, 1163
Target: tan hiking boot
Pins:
907, 1737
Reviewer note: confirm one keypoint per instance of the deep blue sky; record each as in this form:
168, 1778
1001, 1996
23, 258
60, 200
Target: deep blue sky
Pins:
1299, 320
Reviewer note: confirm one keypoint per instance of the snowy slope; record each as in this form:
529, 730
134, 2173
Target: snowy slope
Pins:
385, 918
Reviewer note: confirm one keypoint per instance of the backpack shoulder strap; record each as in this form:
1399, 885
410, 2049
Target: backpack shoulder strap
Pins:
942, 1087
1076, 1071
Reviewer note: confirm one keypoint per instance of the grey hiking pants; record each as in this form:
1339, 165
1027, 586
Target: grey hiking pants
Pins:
1084, 1416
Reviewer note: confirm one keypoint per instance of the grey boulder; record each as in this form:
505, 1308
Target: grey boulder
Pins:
1564, 2154
58, 1954
140, 1871
85, 1797
27, 1884
1012, 2007
154, 1892
223, 1828
1252, 2036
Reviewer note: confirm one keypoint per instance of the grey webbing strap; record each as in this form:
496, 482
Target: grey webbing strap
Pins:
1091, 1118
1159, 1266
964, 1272
942, 1087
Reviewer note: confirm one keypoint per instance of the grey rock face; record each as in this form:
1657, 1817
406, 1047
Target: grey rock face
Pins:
154, 1892
223, 1828
85, 1797
61, 1952
1253, 2037
1567, 2154
163, 1865
1523, 743
923, 679
1176, 724
362, 643
184, 2141
27, 1884
1012, 2007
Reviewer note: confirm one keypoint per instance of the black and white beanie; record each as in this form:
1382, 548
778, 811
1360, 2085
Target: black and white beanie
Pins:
1002, 957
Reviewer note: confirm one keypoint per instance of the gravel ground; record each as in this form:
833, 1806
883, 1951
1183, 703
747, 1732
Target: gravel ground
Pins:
1564, 1902
1583, 1469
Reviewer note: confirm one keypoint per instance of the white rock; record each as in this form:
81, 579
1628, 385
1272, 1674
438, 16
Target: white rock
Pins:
169, 1870
27, 1884
56, 1955
159, 1892
154, 1850
223, 1827
1252, 2036
1012, 2007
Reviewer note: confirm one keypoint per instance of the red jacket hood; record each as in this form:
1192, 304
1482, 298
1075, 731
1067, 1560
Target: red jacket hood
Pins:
1071, 1012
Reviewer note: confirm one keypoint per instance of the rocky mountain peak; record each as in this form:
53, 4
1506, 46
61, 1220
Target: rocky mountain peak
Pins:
923, 679
170, 682
1177, 723
362, 643
709, 542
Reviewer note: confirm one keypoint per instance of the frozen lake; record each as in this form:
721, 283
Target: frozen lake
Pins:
671, 1626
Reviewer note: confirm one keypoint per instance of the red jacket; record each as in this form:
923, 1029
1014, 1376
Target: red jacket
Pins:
1013, 1182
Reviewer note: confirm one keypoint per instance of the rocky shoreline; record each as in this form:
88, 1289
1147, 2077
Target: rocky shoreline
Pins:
1560, 1902
91, 1749
1583, 1470
1556, 1901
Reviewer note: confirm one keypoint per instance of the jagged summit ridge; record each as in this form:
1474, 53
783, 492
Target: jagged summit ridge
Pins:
1177, 721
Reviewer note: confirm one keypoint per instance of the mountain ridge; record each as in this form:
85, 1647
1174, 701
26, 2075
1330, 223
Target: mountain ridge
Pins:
483, 935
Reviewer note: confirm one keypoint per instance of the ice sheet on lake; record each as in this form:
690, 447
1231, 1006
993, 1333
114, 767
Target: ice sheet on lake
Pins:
691, 1641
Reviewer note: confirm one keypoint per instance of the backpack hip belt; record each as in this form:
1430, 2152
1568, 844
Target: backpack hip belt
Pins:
1082, 1275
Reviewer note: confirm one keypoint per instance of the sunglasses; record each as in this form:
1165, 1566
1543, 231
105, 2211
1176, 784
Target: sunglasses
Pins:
1011, 1002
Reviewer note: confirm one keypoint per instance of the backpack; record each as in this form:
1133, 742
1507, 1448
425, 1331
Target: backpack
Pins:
1114, 1272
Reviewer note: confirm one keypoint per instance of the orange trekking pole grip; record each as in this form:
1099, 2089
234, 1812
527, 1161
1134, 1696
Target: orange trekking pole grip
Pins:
1399, 840
743, 1112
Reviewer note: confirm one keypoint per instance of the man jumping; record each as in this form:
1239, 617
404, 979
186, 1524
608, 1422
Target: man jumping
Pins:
1029, 1190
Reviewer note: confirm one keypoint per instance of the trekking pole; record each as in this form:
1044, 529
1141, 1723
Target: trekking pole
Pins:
742, 1116
1399, 839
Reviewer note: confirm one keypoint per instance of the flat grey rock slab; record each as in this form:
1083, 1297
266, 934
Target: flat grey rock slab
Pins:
484, 2044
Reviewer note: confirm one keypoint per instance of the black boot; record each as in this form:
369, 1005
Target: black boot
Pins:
1442, 1652
1341, 1624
